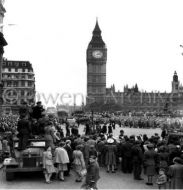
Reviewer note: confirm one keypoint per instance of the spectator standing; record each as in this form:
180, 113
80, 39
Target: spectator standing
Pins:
110, 155
24, 132
61, 159
150, 162
48, 165
78, 162
162, 179
70, 154
175, 173
92, 175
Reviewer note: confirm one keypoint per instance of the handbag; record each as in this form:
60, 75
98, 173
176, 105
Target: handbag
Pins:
83, 172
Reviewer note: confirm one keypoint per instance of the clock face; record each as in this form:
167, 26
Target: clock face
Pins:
97, 54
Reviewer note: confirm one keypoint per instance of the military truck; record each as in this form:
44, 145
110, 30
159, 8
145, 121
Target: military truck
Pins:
28, 160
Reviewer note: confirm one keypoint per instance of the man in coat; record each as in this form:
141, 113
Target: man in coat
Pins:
137, 159
126, 150
175, 174
24, 132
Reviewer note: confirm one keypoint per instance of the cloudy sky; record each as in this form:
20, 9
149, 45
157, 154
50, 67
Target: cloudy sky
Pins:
143, 38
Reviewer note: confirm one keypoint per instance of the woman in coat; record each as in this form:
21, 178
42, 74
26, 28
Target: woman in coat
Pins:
163, 157
61, 159
150, 163
175, 173
49, 135
110, 155
78, 162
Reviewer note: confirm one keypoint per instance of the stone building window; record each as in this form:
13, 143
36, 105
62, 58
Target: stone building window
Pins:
29, 84
29, 77
23, 76
8, 84
22, 93
15, 84
23, 83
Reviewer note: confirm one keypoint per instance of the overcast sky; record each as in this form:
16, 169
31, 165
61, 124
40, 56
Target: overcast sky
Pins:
143, 38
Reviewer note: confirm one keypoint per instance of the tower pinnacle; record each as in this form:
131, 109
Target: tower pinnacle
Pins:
96, 41
97, 30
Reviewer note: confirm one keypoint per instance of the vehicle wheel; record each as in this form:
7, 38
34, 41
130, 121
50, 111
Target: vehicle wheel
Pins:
9, 176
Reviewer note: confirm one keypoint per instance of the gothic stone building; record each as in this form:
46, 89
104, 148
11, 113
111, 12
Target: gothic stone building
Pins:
100, 98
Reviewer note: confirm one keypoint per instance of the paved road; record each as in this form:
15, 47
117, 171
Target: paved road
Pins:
117, 180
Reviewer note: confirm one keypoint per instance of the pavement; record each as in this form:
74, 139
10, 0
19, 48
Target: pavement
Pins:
116, 180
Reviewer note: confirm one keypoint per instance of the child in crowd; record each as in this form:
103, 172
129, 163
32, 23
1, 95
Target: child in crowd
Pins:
48, 165
162, 179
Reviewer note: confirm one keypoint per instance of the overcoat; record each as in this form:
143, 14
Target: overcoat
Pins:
175, 173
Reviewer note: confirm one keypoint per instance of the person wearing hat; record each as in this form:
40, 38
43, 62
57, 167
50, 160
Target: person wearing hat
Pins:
92, 175
175, 173
163, 157
24, 110
137, 159
38, 110
24, 132
109, 129
150, 163
93, 151
101, 152
126, 155
110, 155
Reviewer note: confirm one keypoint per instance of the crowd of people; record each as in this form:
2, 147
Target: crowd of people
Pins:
67, 149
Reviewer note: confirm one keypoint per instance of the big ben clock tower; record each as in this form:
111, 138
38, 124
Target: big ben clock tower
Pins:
96, 68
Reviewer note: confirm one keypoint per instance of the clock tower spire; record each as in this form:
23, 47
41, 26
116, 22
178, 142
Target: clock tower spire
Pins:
96, 67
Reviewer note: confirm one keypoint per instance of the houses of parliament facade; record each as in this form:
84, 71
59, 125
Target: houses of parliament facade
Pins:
101, 98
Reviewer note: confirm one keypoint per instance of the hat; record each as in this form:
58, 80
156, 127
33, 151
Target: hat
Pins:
61, 143
150, 146
178, 160
68, 141
110, 141
137, 142
79, 147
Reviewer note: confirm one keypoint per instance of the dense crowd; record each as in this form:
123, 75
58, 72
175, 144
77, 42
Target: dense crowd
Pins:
157, 155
